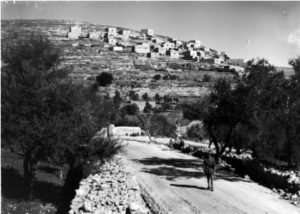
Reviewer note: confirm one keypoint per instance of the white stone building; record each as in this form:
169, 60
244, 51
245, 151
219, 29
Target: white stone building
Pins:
148, 32
197, 43
75, 32
95, 35
117, 48
125, 33
141, 48
111, 41
168, 45
173, 54
111, 31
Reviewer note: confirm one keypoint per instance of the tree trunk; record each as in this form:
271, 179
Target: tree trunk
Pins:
289, 148
29, 167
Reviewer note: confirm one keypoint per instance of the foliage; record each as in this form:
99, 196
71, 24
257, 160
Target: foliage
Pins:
133, 95
148, 107
145, 97
104, 79
206, 78
261, 113
130, 109
156, 77
146, 122
196, 131
161, 127
157, 98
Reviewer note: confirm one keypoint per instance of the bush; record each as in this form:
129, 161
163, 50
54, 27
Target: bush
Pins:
196, 132
206, 78
130, 109
156, 77
104, 79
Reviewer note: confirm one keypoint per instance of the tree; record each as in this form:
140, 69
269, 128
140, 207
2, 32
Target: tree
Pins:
206, 78
157, 98
117, 99
145, 97
148, 107
130, 109
221, 112
146, 123
104, 79
42, 113
156, 77
133, 95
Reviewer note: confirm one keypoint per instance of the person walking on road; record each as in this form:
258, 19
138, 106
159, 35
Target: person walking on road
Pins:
209, 169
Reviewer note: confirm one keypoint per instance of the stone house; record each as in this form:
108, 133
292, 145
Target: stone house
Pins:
157, 40
141, 48
160, 50
238, 62
111, 41
178, 43
72, 35
125, 33
117, 48
111, 31
168, 45
148, 32
200, 53
75, 32
173, 54
75, 29
197, 43
212, 61
190, 54
153, 55
95, 35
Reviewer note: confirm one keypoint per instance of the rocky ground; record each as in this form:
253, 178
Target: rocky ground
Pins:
111, 191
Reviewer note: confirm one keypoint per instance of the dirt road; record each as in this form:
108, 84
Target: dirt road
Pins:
175, 183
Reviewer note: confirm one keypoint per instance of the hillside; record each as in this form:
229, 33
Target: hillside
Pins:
91, 52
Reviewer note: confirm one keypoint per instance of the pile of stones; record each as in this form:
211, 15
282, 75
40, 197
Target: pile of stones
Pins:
110, 191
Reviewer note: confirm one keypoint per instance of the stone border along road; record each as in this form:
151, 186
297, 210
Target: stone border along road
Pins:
113, 190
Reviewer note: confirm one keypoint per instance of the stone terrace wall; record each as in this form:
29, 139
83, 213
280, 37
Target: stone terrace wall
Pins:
110, 190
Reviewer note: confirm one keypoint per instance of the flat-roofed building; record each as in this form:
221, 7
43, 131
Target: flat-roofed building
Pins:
197, 43
125, 33
191, 54
173, 54
111, 31
141, 48
162, 51
95, 35
111, 41
148, 32
153, 55
168, 45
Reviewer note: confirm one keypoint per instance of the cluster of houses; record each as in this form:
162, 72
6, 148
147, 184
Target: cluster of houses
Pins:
147, 43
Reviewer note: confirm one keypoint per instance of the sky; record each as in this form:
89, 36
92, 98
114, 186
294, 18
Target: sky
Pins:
246, 30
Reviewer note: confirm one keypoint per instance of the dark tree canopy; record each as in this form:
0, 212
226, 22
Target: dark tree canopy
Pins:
104, 79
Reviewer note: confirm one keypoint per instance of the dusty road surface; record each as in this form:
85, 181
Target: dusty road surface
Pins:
174, 183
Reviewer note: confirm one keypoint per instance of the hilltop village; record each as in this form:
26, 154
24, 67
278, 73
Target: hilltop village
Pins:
154, 46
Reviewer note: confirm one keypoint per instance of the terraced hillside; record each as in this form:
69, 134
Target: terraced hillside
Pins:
87, 57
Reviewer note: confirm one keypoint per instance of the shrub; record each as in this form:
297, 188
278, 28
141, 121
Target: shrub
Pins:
130, 109
104, 79
156, 77
206, 78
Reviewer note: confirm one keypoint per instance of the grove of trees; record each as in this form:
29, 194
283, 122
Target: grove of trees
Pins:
45, 116
259, 112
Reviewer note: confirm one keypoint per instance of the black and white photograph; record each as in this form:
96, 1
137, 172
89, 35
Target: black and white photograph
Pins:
150, 107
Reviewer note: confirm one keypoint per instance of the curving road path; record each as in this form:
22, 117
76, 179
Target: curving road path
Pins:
174, 183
